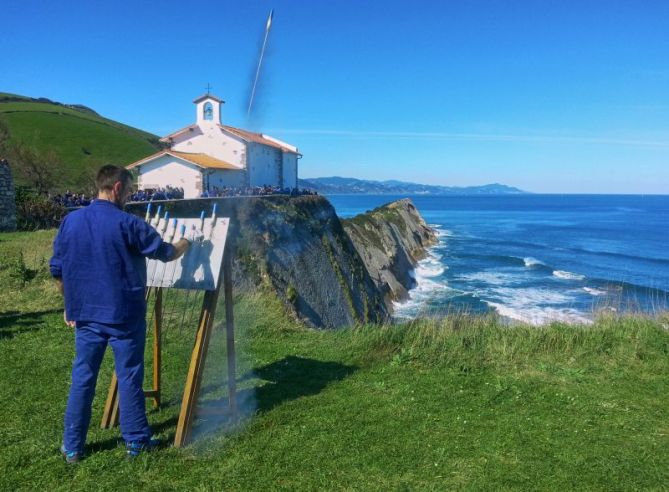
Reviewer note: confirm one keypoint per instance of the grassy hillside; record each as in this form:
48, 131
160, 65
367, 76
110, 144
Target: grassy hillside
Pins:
431, 405
80, 137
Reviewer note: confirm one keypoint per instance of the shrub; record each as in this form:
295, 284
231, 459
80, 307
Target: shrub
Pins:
19, 271
34, 211
291, 294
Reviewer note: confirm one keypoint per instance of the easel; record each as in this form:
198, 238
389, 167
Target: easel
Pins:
189, 410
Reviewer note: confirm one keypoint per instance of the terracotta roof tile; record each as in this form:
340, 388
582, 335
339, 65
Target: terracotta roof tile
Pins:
256, 137
200, 160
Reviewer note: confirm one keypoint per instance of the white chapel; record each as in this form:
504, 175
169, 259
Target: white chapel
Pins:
208, 155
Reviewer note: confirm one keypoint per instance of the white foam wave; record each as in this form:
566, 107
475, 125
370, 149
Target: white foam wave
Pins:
532, 262
490, 278
537, 316
529, 296
428, 270
426, 288
594, 292
430, 266
568, 275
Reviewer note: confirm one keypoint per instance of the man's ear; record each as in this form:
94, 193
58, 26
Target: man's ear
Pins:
118, 188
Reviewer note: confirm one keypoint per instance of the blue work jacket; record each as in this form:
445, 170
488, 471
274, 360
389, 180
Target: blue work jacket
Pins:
99, 253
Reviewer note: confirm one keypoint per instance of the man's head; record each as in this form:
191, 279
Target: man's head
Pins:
114, 184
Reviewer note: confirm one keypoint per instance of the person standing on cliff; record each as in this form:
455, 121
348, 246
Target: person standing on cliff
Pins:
100, 268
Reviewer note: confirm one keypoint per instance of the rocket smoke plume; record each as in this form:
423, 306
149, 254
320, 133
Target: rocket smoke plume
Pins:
256, 78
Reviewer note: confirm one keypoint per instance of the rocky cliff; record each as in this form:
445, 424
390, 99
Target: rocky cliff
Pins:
390, 240
297, 247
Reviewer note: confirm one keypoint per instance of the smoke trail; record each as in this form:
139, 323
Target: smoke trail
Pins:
268, 26
216, 420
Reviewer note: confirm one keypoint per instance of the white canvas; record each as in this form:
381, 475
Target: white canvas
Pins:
199, 268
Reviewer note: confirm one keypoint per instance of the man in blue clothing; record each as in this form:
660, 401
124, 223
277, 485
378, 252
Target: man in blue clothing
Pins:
99, 264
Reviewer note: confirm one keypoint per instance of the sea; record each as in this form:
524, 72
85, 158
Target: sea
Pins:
537, 258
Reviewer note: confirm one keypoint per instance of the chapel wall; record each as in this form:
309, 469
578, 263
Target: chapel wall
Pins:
211, 141
166, 171
289, 170
264, 165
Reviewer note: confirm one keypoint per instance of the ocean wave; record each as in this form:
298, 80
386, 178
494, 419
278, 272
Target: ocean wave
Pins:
532, 262
568, 275
490, 278
511, 260
444, 233
595, 292
430, 269
529, 296
419, 297
537, 316
426, 288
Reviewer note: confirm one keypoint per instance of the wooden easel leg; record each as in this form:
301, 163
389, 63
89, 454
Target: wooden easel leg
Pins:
110, 413
195, 370
157, 335
230, 333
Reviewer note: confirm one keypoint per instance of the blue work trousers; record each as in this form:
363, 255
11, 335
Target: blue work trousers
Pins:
127, 343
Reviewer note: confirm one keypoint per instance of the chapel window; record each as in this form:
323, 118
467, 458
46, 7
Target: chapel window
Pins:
208, 111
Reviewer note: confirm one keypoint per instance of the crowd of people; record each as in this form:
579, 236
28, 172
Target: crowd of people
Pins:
227, 191
73, 200
148, 195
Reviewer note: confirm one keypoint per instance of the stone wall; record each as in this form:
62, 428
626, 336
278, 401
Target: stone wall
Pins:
7, 197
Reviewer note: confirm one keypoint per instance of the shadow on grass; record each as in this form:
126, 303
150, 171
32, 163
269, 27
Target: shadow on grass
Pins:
287, 379
295, 377
14, 323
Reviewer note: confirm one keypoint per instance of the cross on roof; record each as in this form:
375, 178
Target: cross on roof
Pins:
208, 88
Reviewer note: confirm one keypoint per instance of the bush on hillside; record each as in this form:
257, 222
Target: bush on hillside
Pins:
35, 211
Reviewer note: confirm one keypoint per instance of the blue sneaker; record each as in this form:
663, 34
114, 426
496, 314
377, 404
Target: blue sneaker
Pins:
135, 448
71, 457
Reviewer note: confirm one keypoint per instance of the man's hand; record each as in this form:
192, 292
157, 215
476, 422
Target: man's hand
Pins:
69, 323
180, 247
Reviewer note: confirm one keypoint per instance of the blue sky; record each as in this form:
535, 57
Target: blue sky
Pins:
549, 96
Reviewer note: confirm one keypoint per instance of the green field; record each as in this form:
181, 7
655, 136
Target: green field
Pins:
82, 139
461, 403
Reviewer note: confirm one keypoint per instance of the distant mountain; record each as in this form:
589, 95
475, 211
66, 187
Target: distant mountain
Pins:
337, 185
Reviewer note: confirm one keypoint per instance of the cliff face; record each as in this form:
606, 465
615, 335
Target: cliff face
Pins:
297, 247
390, 240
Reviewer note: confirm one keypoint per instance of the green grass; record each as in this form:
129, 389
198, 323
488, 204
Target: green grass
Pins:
463, 402
82, 139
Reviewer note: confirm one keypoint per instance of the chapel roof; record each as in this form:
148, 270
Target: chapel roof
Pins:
199, 159
257, 138
208, 96
240, 133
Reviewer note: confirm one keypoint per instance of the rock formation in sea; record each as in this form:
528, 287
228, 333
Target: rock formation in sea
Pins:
391, 239
329, 273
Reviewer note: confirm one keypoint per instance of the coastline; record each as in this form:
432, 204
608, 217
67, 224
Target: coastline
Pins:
539, 258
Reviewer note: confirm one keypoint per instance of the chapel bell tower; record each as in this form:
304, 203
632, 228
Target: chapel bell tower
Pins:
208, 109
